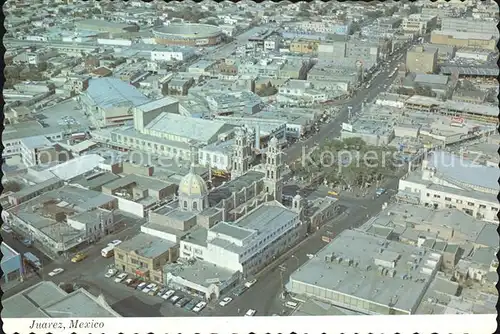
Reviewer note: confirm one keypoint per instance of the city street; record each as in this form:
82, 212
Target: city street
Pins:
332, 130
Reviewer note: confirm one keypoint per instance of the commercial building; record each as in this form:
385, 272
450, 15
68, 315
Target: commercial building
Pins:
304, 46
12, 265
418, 23
421, 60
469, 25
202, 278
144, 256
448, 181
47, 300
486, 41
105, 26
251, 242
323, 27
110, 101
63, 218
13, 135
351, 54
367, 274
137, 193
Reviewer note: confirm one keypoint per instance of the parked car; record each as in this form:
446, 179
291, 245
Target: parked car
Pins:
161, 292
56, 271
200, 306
250, 313
192, 303
111, 273
120, 278
141, 285
174, 299
135, 283
128, 281
79, 257
240, 291
250, 283
6, 228
168, 294
149, 287
154, 291
115, 243
182, 302
225, 301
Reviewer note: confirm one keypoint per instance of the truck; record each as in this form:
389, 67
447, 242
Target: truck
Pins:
33, 260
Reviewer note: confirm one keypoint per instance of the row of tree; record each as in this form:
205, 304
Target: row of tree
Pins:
360, 166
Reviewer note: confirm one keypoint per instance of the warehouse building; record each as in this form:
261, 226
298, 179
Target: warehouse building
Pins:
367, 274
479, 40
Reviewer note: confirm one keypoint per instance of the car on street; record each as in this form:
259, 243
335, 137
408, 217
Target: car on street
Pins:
192, 303
240, 291
149, 287
174, 299
79, 257
115, 243
168, 294
120, 278
128, 281
135, 283
141, 285
250, 313
250, 283
200, 306
225, 301
161, 292
111, 273
56, 271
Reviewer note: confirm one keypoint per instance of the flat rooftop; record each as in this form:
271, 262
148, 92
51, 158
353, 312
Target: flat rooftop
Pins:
359, 272
47, 300
146, 245
226, 190
200, 272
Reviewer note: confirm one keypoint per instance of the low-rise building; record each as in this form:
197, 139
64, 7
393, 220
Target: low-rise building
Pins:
421, 60
249, 243
479, 40
144, 256
51, 219
446, 181
368, 274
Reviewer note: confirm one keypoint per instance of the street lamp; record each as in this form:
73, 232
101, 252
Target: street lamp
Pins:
296, 258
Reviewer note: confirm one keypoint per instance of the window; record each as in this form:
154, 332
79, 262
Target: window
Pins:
459, 201
195, 205
134, 261
482, 206
437, 196
494, 209
428, 194
470, 203
447, 199
185, 204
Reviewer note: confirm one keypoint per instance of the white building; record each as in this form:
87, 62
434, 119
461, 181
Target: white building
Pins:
167, 55
251, 242
447, 181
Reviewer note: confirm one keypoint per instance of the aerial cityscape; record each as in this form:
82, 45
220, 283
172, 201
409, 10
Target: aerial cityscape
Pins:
180, 159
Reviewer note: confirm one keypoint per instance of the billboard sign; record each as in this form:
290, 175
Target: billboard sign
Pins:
347, 127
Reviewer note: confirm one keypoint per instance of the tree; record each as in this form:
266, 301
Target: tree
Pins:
11, 186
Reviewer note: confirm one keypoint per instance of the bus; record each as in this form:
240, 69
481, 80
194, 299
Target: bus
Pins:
33, 260
108, 251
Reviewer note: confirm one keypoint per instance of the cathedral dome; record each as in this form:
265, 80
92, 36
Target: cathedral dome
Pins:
193, 185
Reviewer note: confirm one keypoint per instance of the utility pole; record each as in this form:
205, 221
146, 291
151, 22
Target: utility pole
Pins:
282, 269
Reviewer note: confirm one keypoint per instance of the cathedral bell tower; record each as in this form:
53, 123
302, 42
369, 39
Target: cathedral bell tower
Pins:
241, 154
273, 182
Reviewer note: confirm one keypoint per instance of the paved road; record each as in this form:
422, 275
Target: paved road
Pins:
332, 129
264, 295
